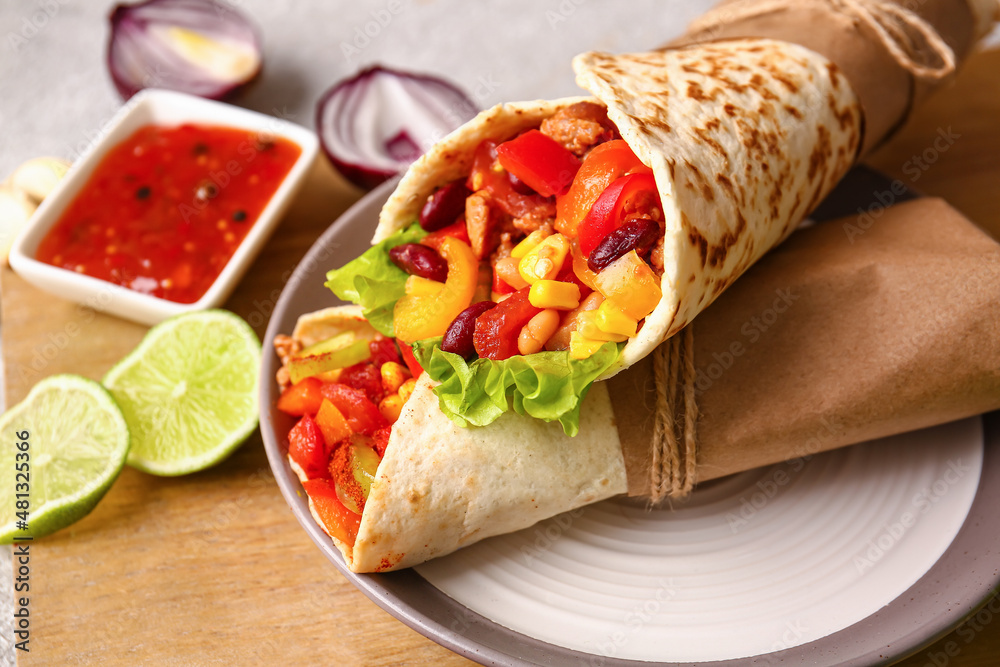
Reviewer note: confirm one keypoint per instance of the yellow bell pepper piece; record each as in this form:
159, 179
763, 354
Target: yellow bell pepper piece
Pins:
416, 317
631, 285
417, 286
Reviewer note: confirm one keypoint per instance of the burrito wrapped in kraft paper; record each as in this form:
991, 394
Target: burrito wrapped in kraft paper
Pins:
832, 339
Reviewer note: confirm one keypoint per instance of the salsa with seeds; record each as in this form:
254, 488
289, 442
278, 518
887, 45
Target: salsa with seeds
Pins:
165, 209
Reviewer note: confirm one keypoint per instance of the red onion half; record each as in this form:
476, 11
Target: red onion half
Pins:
201, 47
373, 125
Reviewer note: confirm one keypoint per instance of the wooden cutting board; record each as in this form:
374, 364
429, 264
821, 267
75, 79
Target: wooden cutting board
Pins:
212, 568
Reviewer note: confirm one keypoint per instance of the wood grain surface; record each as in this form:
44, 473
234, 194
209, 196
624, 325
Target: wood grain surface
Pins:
212, 568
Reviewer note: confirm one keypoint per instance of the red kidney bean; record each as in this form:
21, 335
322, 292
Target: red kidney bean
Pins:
637, 234
420, 260
444, 206
458, 337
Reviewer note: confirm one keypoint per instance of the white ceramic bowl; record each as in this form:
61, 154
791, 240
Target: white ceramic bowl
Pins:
159, 107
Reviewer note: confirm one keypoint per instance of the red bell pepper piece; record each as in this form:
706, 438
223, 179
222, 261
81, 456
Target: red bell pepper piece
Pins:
457, 230
362, 415
302, 398
629, 194
497, 329
308, 449
541, 162
339, 521
604, 164
411, 361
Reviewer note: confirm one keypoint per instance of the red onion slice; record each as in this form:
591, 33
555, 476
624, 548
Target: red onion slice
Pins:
201, 47
373, 125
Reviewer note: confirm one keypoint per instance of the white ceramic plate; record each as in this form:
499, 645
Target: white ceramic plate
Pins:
858, 556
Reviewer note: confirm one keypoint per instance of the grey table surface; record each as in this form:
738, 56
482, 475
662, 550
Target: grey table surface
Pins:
56, 94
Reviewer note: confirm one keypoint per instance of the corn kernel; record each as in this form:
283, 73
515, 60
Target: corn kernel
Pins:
406, 389
393, 376
586, 324
554, 294
610, 319
390, 407
529, 243
544, 260
581, 347
417, 286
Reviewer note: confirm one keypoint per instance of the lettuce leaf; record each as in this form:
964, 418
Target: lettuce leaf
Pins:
373, 282
545, 385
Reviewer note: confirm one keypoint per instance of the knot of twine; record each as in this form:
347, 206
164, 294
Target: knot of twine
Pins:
909, 39
672, 473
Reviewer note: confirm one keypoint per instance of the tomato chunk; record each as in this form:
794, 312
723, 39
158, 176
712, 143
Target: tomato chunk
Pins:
340, 522
366, 377
631, 194
302, 398
380, 440
384, 350
540, 161
307, 447
497, 329
362, 415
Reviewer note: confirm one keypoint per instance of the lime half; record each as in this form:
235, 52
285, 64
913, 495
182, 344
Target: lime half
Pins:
188, 391
63, 446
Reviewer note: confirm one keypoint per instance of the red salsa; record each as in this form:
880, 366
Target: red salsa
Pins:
165, 209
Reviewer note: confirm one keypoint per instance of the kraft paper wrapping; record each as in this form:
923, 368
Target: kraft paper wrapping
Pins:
852, 330
886, 90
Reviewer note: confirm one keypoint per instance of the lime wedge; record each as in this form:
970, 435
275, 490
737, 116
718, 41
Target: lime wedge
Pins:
76, 439
188, 392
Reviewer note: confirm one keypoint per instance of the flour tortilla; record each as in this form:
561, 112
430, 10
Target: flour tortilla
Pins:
745, 137
441, 487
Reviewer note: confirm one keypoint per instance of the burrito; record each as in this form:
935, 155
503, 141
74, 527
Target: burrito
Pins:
394, 482
548, 244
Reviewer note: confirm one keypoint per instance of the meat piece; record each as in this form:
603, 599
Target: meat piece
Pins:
284, 378
536, 218
656, 257
481, 222
503, 248
579, 126
285, 347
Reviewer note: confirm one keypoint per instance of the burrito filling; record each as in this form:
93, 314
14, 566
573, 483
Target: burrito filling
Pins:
559, 231
347, 392
521, 282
